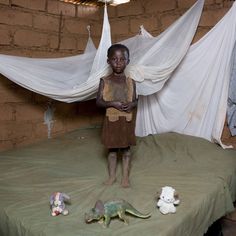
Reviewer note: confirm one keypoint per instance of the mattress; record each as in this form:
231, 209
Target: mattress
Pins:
203, 174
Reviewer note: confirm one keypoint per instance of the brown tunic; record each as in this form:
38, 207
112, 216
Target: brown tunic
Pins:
118, 127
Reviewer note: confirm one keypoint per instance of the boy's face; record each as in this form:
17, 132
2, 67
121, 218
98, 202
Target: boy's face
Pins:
118, 60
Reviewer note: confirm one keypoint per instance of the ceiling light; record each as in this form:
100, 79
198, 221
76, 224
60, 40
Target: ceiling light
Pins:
95, 2
114, 2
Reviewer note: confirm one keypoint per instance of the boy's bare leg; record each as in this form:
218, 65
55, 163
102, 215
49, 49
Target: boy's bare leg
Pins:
112, 163
126, 160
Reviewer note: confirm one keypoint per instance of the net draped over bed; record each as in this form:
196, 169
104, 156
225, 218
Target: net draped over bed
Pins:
181, 88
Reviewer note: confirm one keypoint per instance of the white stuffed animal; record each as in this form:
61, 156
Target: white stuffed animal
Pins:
167, 200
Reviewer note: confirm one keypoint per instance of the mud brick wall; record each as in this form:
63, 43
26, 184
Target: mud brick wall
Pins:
42, 28
50, 28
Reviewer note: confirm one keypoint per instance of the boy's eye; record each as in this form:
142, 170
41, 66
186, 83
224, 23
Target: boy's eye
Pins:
118, 59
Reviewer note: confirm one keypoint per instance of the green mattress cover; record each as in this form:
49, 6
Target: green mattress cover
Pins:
203, 174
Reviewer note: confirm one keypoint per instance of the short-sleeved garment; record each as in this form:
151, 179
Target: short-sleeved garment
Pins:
118, 127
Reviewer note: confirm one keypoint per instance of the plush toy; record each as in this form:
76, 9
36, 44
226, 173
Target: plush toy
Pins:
167, 200
57, 204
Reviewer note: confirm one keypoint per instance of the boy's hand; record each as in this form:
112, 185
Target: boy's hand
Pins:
118, 105
127, 107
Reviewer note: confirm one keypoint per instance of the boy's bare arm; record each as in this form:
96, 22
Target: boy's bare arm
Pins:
101, 103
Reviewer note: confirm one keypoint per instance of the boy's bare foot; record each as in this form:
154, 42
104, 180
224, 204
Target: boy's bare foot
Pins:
110, 181
125, 183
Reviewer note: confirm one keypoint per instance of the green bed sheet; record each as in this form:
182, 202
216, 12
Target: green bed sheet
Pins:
203, 174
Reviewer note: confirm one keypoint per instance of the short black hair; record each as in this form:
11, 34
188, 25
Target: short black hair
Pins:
115, 47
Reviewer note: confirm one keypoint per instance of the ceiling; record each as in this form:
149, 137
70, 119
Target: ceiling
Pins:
96, 2
85, 2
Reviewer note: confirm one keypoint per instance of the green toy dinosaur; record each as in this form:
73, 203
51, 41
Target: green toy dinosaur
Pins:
104, 212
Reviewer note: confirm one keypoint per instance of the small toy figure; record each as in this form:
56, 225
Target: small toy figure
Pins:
104, 212
57, 204
167, 200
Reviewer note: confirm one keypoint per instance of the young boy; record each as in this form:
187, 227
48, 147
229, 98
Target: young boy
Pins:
118, 95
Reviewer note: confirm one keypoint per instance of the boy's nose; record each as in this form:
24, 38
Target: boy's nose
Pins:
119, 61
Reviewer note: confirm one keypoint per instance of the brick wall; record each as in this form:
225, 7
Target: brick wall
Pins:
50, 28
45, 28
42, 28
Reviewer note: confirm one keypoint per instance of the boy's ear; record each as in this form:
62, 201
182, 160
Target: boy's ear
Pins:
128, 61
108, 62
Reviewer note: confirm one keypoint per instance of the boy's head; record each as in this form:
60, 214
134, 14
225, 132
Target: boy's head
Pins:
118, 57
116, 47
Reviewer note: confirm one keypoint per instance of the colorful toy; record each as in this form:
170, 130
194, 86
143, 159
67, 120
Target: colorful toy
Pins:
167, 200
103, 212
57, 204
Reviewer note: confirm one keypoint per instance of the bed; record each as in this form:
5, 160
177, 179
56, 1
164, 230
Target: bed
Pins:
203, 174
